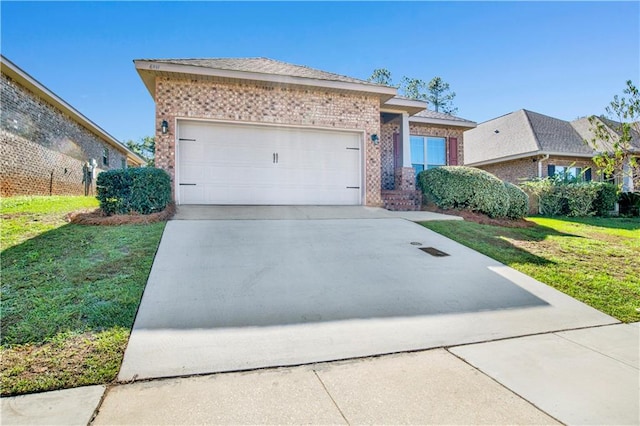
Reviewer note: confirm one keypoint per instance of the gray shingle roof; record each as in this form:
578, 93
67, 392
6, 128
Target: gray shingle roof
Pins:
440, 116
263, 66
519, 133
555, 135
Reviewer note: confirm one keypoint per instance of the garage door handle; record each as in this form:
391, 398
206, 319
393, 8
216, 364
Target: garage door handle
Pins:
353, 187
187, 184
275, 158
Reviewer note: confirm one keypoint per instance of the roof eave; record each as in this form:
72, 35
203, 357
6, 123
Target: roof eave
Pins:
443, 122
528, 154
410, 106
19, 75
149, 69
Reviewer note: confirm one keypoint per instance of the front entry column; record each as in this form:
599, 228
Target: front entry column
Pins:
405, 179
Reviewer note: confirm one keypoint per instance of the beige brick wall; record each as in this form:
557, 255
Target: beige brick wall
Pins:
515, 171
264, 103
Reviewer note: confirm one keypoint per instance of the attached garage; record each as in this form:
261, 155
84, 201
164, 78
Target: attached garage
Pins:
247, 164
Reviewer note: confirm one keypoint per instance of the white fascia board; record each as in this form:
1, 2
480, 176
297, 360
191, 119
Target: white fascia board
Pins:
443, 122
16, 73
411, 106
385, 92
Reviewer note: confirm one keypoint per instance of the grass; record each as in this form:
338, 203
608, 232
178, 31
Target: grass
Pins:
69, 293
594, 260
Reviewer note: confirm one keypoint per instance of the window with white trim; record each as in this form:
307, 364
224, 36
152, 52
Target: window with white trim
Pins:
428, 152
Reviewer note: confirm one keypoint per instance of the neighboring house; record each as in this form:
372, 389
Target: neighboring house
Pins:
524, 145
46, 143
260, 131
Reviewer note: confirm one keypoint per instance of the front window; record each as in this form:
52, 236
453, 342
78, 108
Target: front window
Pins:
570, 174
105, 157
428, 152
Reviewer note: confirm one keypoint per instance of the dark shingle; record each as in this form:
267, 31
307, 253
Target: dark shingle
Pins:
263, 66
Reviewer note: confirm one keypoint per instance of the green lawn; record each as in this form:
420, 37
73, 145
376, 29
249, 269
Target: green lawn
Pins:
69, 293
595, 260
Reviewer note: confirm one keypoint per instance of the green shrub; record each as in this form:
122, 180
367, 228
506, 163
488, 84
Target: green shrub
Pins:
462, 187
135, 190
606, 198
518, 201
559, 198
551, 196
580, 198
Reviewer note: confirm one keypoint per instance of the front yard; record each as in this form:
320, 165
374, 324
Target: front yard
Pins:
69, 293
595, 260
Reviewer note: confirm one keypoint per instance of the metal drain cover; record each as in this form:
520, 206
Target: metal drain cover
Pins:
433, 251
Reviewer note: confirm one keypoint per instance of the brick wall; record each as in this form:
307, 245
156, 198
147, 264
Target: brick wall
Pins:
386, 151
515, 171
37, 140
52, 173
265, 103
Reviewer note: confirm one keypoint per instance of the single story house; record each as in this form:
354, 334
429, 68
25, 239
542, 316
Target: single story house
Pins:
524, 144
261, 131
46, 143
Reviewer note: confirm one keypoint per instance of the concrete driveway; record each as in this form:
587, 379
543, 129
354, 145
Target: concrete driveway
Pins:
228, 295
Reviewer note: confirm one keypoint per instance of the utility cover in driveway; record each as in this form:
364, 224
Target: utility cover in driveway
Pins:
232, 295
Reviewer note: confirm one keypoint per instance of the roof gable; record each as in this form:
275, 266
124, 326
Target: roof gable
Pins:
525, 133
255, 69
502, 137
262, 66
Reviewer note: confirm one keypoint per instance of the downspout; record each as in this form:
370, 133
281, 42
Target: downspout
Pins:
544, 158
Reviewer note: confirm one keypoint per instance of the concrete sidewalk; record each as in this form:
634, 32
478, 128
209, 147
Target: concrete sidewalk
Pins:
586, 376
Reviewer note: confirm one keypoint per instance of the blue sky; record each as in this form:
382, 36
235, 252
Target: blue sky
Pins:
564, 59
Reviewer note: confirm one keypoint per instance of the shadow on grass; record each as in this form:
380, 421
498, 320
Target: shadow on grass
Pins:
493, 241
75, 279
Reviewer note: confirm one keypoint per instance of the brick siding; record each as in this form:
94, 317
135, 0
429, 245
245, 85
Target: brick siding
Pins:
255, 102
39, 140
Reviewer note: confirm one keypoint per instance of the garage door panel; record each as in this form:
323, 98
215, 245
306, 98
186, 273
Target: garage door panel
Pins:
236, 164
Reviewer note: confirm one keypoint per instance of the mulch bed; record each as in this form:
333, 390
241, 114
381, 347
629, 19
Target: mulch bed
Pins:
97, 217
480, 218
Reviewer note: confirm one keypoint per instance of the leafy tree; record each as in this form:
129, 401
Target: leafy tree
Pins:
414, 88
145, 148
381, 76
614, 134
440, 96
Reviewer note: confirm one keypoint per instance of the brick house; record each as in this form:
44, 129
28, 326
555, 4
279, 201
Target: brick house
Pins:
260, 131
523, 145
45, 142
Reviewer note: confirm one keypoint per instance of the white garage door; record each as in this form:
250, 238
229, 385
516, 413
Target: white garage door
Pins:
245, 164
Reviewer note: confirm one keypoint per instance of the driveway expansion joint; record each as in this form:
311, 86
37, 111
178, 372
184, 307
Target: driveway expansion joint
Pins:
331, 397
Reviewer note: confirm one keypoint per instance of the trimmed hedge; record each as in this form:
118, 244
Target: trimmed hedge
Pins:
518, 201
559, 198
135, 190
460, 187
